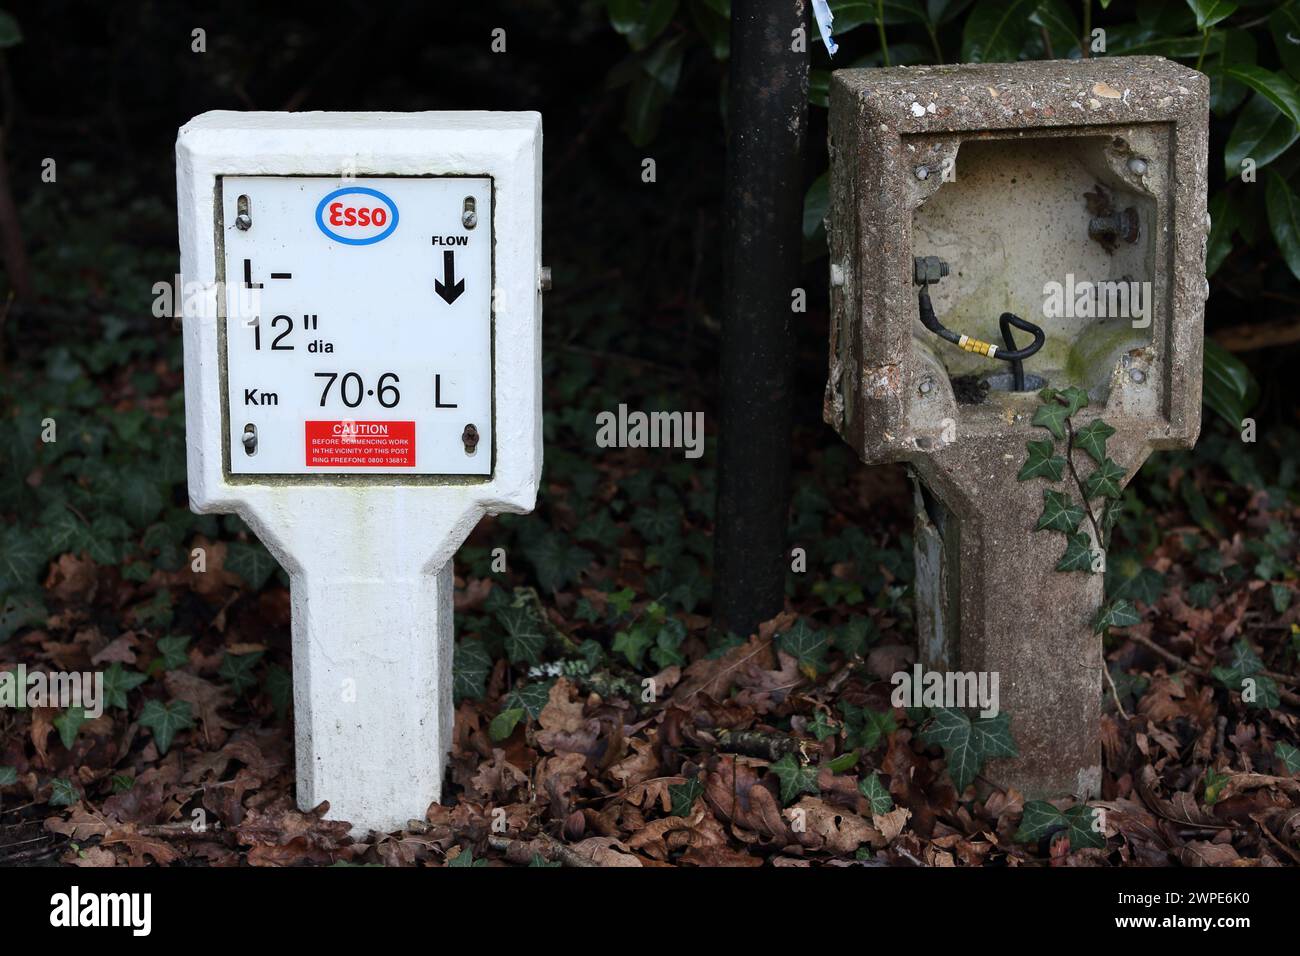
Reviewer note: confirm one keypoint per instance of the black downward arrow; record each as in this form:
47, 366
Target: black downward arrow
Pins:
449, 288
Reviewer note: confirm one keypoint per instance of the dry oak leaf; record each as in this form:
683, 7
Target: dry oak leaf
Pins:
141, 848
719, 856
646, 793
715, 677
73, 578
80, 825
118, 649
891, 824
735, 793
1206, 853
834, 829
285, 837
638, 766
205, 699
557, 776
94, 856
497, 779
563, 728
604, 851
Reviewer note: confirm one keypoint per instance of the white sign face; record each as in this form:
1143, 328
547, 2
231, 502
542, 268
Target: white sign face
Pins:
358, 326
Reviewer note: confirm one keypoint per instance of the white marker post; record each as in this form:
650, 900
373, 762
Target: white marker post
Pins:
362, 383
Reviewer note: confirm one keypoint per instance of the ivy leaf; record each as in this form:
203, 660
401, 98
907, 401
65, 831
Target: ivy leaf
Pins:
795, 779
174, 651
806, 646
19, 610
1084, 828
1092, 439
1078, 553
632, 644
8, 775
1052, 417
877, 795
466, 858
1059, 513
820, 727
1118, 613
118, 682
1288, 755
530, 697
1074, 398
139, 497
524, 640
68, 723
556, 560
876, 726
1041, 819
20, 559
1105, 481
950, 729
1043, 462
471, 664
250, 561
238, 669
165, 720
992, 737
63, 792
1260, 692
504, 723
683, 796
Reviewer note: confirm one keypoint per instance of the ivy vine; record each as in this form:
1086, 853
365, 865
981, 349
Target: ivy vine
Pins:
1068, 501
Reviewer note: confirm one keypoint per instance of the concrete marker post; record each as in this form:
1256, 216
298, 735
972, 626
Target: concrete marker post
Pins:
368, 543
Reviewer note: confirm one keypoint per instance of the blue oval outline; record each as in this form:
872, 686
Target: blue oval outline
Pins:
347, 191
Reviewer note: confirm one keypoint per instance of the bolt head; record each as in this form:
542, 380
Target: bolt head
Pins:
470, 219
243, 222
1137, 375
922, 172
926, 386
1137, 166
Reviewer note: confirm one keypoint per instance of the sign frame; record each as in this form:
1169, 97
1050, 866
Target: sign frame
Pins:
238, 478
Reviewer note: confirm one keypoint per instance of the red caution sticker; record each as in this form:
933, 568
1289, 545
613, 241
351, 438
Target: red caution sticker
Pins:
361, 444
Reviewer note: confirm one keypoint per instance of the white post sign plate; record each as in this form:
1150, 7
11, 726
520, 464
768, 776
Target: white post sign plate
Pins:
362, 322
358, 329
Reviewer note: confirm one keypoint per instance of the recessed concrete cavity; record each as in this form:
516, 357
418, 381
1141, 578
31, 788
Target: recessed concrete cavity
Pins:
1072, 194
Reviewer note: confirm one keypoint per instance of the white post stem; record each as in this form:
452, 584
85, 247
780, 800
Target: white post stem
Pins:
372, 678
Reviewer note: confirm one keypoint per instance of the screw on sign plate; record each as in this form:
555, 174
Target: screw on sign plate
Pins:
470, 439
469, 214
243, 218
250, 439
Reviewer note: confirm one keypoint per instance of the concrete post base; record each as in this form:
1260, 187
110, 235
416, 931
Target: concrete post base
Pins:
989, 598
372, 663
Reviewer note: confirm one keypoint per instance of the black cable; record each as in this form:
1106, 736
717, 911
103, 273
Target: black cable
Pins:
1010, 354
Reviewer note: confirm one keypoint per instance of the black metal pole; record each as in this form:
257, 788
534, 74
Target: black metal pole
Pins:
767, 124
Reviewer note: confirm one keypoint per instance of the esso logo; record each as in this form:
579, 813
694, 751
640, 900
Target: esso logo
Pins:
357, 216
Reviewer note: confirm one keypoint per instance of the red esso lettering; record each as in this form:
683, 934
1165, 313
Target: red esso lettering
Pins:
341, 215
